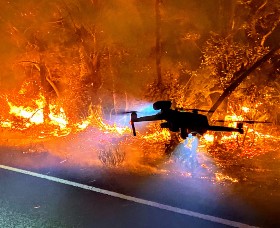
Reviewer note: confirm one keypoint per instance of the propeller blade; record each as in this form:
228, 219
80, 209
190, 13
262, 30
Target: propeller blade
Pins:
252, 121
195, 109
123, 112
242, 121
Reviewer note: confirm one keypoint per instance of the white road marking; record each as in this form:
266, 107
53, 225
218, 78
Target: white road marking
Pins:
129, 198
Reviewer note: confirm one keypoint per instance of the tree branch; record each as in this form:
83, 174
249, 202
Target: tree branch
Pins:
270, 32
237, 82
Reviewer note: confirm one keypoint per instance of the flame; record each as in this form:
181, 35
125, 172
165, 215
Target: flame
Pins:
83, 125
59, 118
96, 119
157, 136
245, 109
248, 145
208, 137
24, 117
6, 124
35, 115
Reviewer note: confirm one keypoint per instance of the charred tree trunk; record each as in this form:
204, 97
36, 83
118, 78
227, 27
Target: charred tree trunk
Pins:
240, 79
158, 42
90, 62
44, 84
114, 96
226, 17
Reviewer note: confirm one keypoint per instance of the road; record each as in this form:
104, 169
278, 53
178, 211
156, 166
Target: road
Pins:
61, 194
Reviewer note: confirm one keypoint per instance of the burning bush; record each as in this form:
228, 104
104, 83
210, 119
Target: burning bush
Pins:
111, 155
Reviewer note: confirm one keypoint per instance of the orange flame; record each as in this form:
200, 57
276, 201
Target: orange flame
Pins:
36, 115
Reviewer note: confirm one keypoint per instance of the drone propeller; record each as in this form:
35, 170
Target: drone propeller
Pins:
196, 110
241, 121
133, 117
123, 112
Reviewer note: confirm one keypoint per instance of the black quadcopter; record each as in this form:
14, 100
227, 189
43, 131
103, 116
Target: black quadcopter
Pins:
182, 121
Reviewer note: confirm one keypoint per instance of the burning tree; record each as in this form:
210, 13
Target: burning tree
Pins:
237, 62
231, 54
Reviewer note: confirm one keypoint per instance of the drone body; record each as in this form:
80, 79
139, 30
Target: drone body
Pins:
181, 121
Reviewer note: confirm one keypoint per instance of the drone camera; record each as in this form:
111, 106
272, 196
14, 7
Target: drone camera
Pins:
162, 105
133, 116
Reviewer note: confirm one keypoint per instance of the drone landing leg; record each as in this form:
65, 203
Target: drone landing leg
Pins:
133, 128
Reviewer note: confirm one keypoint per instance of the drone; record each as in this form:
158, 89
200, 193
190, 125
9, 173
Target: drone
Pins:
183, 121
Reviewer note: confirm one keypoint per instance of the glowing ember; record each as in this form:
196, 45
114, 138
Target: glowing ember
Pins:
6, 124
208, 137
245, 109
221, 178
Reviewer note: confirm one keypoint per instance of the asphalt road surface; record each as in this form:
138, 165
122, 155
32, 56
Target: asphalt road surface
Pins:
60, 194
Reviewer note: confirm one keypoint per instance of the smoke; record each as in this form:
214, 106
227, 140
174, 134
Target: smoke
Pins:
118, 25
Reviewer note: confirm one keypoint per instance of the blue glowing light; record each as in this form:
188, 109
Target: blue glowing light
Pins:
146, 109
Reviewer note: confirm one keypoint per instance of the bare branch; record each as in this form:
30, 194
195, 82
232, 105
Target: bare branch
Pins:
52, 84
261, 7
270, 32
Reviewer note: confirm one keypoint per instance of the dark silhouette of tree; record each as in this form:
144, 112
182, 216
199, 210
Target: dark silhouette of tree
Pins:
158, 50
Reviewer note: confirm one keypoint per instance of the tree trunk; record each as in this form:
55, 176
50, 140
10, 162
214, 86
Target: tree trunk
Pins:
226, 16
44, 83
158, 42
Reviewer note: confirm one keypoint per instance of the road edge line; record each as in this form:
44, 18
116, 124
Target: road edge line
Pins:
129, 198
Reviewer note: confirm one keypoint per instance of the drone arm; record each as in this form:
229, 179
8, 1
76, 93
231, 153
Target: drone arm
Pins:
228, 129
148, 118
134, 119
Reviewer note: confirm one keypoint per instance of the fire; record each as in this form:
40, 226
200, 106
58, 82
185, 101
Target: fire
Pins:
96, 119
6, 124
28, 115
107, 129
84, 124
208, 137
161, 135
233, 144
35, 115
59, 118
245, 109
